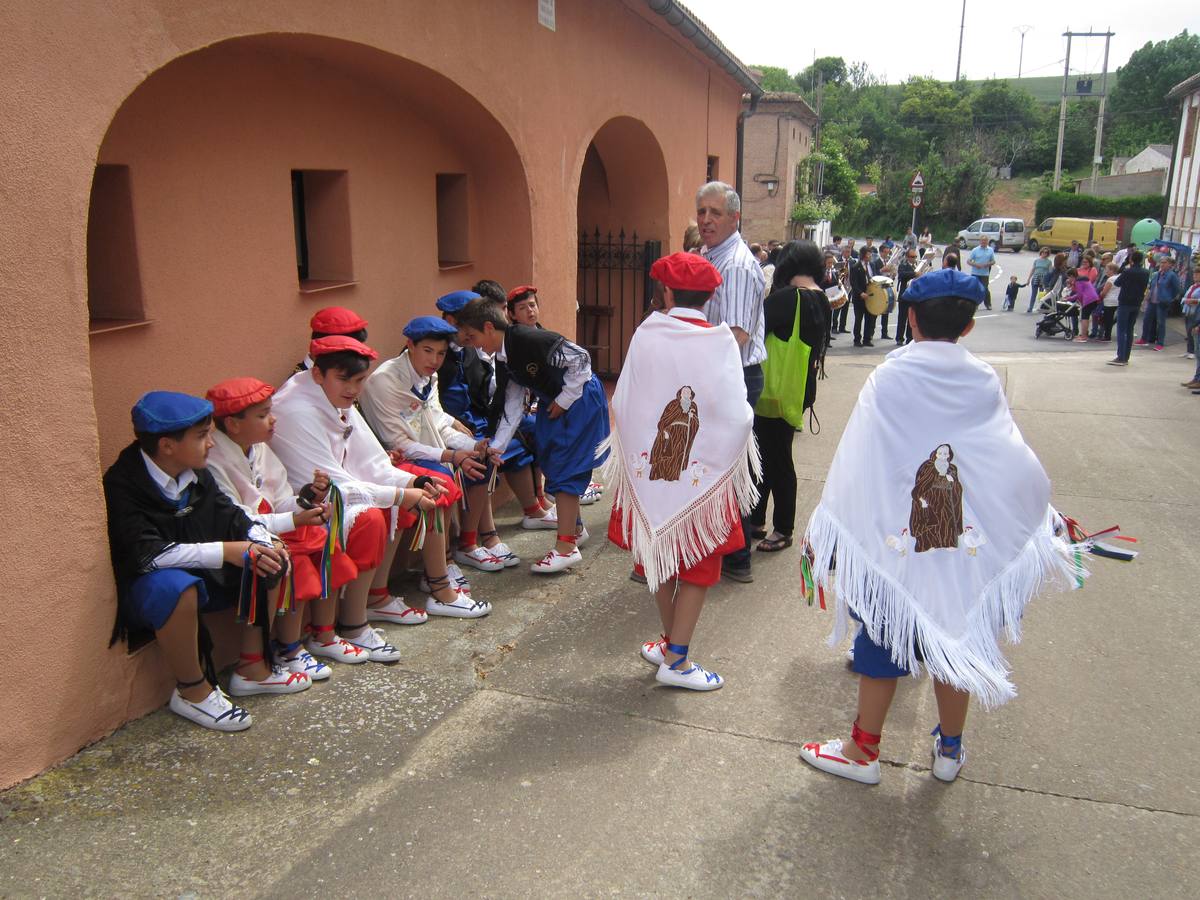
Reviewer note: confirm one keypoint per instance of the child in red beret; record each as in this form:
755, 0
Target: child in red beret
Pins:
682, 460
247, 470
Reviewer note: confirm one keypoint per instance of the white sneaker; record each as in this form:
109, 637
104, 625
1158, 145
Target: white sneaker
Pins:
694, 678
372, 640
505, 554
548, 521
582, 537
461, 608
214, 711
596, 486
396, 613
480, 558
457, 581
306, 664
589, 496
652, 651
946, 768
338, 650
556, 562
828, 757
280, 681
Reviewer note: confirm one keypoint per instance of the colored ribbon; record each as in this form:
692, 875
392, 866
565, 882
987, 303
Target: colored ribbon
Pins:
333, 529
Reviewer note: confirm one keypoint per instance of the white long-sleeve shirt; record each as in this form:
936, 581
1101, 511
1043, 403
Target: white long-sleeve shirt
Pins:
205, 555
404, 410
254, 481
311, 433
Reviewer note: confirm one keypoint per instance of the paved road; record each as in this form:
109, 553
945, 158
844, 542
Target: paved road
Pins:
530, 754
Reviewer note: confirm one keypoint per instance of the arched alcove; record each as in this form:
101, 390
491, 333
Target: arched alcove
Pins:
622, 221
243, 186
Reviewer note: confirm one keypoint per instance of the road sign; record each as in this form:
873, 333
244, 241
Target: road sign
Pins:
917, 184
916, 200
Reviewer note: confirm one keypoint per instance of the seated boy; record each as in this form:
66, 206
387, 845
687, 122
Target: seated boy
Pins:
178, 547
252, 476
523, 310
401, 404
572, 415
319, 428
944, 557
683, 459
466, 385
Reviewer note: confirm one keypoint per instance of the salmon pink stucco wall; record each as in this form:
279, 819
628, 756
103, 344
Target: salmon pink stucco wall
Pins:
210, 105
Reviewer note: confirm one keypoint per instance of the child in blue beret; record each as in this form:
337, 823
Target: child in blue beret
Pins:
178, 548
934, 531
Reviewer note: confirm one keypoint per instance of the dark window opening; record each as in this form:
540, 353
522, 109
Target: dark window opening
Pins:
321, 218
114, 282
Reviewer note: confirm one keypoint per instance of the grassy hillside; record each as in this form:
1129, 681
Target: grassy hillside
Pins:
1046, 88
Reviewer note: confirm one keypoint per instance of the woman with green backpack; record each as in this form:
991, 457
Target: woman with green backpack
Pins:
796, 319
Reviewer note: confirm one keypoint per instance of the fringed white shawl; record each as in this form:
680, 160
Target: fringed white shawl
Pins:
683, 459
935, 525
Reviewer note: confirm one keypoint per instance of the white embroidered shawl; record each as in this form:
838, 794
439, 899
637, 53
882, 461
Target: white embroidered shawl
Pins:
676, 484
935, 525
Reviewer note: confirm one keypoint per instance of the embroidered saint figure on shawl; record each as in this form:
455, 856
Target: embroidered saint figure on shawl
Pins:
677, 428
936, 520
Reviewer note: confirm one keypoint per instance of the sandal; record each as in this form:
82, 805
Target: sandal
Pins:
775, 545
758, 533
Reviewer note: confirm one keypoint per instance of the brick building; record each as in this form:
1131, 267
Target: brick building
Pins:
778, 133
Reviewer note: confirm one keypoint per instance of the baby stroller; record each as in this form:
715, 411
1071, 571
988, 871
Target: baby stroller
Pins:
1059, 317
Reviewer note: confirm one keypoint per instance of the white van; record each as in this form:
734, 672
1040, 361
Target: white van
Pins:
1004, 233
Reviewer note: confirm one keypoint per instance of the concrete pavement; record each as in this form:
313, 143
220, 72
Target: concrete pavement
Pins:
532, 754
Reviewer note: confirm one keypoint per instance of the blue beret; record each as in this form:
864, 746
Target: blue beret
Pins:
429, 326
945, 283
452, 303
160, 412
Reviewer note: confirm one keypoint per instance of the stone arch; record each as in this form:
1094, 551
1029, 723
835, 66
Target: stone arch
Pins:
622, 218
200, 159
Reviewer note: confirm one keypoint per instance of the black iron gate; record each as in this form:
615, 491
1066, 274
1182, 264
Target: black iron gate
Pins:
614, 294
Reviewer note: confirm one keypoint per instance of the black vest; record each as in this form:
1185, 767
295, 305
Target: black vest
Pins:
529, 352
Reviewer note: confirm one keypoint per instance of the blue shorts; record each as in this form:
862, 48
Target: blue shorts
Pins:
566, 446
152, 597
873, 660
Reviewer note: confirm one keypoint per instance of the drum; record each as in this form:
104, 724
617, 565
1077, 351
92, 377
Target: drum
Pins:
837, 296
880, 295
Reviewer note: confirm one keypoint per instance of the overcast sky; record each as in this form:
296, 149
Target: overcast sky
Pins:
785, 33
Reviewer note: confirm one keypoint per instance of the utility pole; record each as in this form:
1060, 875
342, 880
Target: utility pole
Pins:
1062, 115
821, 163
1021, 58
961, 25
1100, 117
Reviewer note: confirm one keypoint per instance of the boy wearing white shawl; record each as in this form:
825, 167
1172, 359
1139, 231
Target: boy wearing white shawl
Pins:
683, 460
934, 530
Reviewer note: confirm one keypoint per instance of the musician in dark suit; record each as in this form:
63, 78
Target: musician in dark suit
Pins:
829, 278
843, 265
860, 278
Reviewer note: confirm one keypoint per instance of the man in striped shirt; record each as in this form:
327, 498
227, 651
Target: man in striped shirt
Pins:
738, 302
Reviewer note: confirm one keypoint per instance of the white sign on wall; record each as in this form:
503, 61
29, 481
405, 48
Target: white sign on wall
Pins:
546, 13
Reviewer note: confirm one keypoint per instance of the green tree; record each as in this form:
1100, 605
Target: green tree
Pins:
777, 79
838, 179
933, 104
1139, 112
828, 69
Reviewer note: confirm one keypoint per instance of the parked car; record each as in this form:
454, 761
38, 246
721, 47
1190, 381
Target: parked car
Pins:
1004, 233
1057, 233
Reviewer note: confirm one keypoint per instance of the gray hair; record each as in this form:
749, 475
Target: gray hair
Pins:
733, 203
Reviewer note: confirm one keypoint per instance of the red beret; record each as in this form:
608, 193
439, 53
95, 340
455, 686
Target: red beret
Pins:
233, 395
336, 343
686, 272
519, 290
336, 320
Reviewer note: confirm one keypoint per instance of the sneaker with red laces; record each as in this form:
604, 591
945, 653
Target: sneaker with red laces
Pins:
556, 562
396, 613
652, 651
480, 558
337, 650
279, 681
828, 757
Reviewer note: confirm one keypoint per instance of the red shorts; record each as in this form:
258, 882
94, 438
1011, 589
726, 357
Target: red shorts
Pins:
446, 500
705, 573
364, 550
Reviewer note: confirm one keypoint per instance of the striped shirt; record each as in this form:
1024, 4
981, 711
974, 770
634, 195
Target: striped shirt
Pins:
738, 301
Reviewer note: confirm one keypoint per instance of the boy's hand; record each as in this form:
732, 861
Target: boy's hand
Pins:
494, 456
320, 483
481, 446
417, 498
234, 552
397, 457
459, 426
555, 410
472, 468
268, 560
434, 488
318, 515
